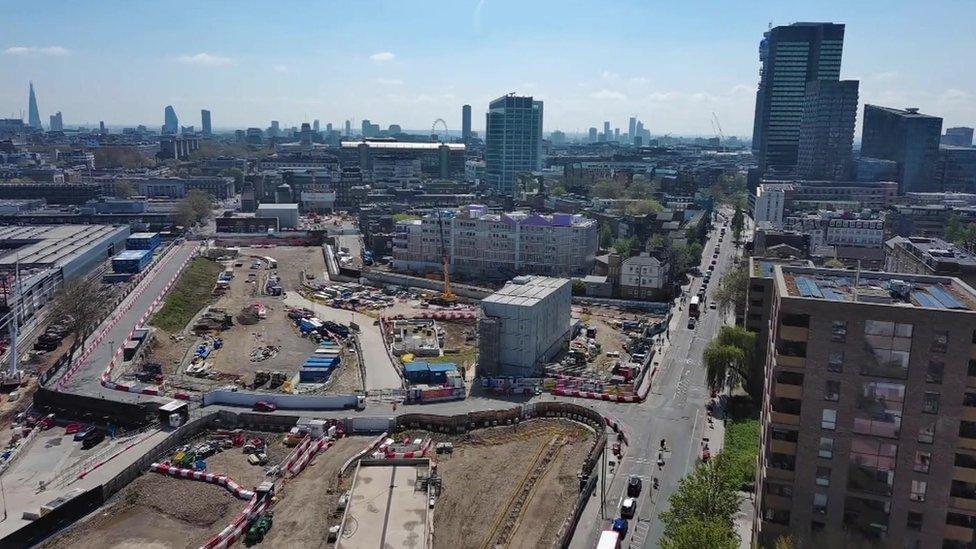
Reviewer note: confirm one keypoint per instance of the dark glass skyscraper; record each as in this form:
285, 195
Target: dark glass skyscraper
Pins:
791, 57
205, 122
33, 114
466, 123
907, 137
827, 130
171, 124
513, 141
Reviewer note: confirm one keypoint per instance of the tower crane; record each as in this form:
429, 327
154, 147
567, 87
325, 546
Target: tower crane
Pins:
447, 296
718, 127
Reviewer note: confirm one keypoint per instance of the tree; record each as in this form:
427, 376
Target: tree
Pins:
124, 189
738, 221
557, 190
731, 293
786, 541
236, 173
626, 246
834, 263
699, 533
687, 256
658, 241
184, 215
725, 365
579, 287
201, 203
80, 304
640, 189
608, 188
643, 207
120, 157
706, 495
606, 236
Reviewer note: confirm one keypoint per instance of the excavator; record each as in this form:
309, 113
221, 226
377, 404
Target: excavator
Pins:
447, 297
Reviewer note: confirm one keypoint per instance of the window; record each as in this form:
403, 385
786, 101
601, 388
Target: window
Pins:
918, 490
785, 462
838, 331
934, 373
777, 516
786, 405
969, 399
959, 519
787, 347
829, 419
930, 403
872, 466
926, 433
914, 521
787, 435
832, 391
940, 342
784, 490
823, 476
879, 409
820, 504
835, 361
798, 320
967, 429
826, 448
923, 460
867, 517
890, 343
789, 378
971, 371
962, 489
965, 460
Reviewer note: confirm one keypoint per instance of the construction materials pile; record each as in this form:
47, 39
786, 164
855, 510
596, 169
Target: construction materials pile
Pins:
260, 354
272, 379
214, 320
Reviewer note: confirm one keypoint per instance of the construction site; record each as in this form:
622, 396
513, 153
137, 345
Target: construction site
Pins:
242, 333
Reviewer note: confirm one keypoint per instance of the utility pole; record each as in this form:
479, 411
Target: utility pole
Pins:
603, 486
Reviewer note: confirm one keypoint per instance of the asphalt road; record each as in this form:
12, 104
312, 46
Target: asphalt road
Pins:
86, 380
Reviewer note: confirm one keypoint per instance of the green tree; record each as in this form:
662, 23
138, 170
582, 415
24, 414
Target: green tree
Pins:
606, 236
707, 494
579, 287
557, 190
834, 263
698, 533
608, 188
687, 256
658, 241
643, 207
183, 215
786, 541
81, 304
731, 293
640, 189
738, 222
725, 365
201, 203
237, 174
626, 247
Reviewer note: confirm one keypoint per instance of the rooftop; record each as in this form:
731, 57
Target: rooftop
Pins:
49, 245
526, 290
402, 145
879, 288
935, 252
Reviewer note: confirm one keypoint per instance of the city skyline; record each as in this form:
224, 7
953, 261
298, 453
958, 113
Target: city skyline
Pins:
397, 78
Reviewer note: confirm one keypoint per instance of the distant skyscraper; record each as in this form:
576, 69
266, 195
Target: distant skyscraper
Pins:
791, 56
632, 128
513, 141
607, 136
465, 122
315, 125
592, 135
328, 128
958, 137
616, 134
33, 114
101, 127
171, 124
275, 129
348, 128
205, 122
909, 138
825, 150
57, 123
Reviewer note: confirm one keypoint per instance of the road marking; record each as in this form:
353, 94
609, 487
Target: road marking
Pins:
693, 438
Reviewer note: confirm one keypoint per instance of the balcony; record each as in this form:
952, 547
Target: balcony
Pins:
777, 502
964, 474
971, 382
793, 333
786, 390
790, 361
783, 447
969, 413
967, 443
794, 419
963, 503
779, 474
958, 533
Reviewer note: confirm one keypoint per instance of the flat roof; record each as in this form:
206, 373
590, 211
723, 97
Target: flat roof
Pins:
50, 245
385, 508
878, 288
526, 290
272, 207
131, 254
402, 145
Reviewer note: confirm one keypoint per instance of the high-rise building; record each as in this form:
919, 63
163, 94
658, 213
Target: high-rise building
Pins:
57, 123
275, 129
171, 124
33, 114
101, 127
466, 123
869, 410
328, 128
315, 125
791, 56
632, 128
826, 144
592, 135
907, 137
513, 141
205, 122
607, 136
958, 137
348, 128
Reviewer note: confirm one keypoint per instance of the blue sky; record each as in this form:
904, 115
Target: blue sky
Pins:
670, 63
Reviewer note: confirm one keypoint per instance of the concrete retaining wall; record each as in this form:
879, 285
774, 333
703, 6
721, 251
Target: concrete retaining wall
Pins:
285, 402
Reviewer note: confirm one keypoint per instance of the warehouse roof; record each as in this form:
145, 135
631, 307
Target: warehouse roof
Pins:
50, 245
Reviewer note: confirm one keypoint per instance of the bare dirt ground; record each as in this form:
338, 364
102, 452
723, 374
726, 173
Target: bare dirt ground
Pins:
307, 505
155, 511
484, 471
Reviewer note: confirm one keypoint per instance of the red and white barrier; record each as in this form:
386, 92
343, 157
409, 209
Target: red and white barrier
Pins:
320, 445
202, 476
235, 529
411, 454
636, 397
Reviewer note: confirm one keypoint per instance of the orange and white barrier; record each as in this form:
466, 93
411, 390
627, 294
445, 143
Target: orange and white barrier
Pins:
213, 478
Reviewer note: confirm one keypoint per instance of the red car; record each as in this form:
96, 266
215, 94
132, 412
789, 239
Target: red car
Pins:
264, 406
73, 428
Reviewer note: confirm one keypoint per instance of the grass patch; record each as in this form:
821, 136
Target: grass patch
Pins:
404, 217
467, 356
741, 450
190, 293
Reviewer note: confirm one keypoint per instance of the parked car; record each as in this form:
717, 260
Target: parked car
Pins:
83, 432
634, 486
264, 406
73, 428
92, 439
628, 508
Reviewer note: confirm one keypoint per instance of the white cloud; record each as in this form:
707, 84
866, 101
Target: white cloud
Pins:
205, 59
282, 69
641, 80
56, 51
389, 81
608, 75
608, 95
743, 88
382, 56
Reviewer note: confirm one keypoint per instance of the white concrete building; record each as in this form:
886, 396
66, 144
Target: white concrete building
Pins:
642, 276
391, 171
523, 325
834, 231
287, 214
497, 245
770, 202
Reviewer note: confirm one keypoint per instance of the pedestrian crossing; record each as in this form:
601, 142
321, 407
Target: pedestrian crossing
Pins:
639, 536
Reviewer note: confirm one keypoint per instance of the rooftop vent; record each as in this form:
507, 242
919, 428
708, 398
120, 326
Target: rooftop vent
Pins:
911, 110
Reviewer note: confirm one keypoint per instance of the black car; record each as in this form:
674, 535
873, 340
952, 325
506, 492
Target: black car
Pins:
92, 438
634, 486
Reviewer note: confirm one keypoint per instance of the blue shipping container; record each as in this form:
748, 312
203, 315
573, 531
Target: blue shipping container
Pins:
314, 376
131, 261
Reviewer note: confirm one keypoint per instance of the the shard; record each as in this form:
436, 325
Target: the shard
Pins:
33, 116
